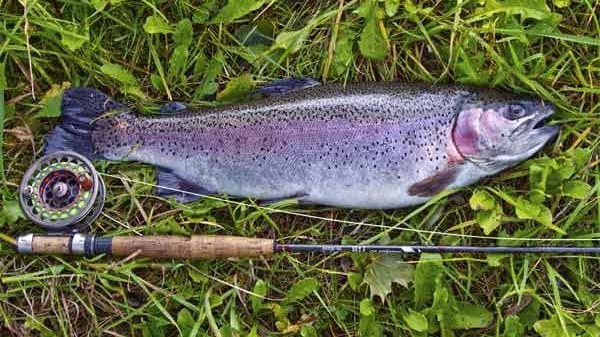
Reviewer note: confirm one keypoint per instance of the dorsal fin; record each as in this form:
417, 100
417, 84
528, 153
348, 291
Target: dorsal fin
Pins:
287, 85
172, 107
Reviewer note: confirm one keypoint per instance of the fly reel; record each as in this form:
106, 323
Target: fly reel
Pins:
62, 192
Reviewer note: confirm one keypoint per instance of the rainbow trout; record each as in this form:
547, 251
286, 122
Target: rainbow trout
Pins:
367, 145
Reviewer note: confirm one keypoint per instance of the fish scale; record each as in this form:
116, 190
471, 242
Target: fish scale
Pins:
364, 145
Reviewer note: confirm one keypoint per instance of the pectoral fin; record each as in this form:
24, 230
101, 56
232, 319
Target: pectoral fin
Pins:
434, 184
170, 185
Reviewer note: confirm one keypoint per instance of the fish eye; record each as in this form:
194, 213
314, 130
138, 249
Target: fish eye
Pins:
515, 111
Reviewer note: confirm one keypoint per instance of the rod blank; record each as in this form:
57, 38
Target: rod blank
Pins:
436, 249
208, 247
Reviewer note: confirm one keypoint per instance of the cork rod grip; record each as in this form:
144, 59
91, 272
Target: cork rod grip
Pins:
204, 247
51, 244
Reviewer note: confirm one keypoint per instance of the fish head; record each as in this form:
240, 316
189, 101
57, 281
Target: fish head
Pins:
497, 134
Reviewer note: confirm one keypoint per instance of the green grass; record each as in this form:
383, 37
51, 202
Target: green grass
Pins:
548, 49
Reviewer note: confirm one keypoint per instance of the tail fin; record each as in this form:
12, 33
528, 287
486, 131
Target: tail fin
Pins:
80, 107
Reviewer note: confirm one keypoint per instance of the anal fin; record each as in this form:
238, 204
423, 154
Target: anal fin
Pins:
170, 185
296, 196
435, 183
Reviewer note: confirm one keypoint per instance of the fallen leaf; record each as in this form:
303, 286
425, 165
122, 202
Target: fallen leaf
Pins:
301, 289
51, 102
237, 88
10, 212
119, 73
385, 270
416, 321
549, 328
526, 9
236, 9
471, 316
372, 43
155, 25
343, 54
576, 189
482, 200
73, 39
429, 270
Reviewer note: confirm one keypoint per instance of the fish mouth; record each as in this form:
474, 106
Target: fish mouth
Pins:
541, 123
539, 126
536, 136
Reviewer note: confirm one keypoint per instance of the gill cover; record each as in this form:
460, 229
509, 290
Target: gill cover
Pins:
498, 135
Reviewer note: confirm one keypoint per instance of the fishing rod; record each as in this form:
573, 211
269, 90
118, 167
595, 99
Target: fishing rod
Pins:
64, 194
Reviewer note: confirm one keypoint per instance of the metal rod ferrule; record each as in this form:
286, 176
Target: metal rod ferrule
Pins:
25, 244
77, 244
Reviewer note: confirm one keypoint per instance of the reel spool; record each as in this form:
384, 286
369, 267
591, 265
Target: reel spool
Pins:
62, 192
